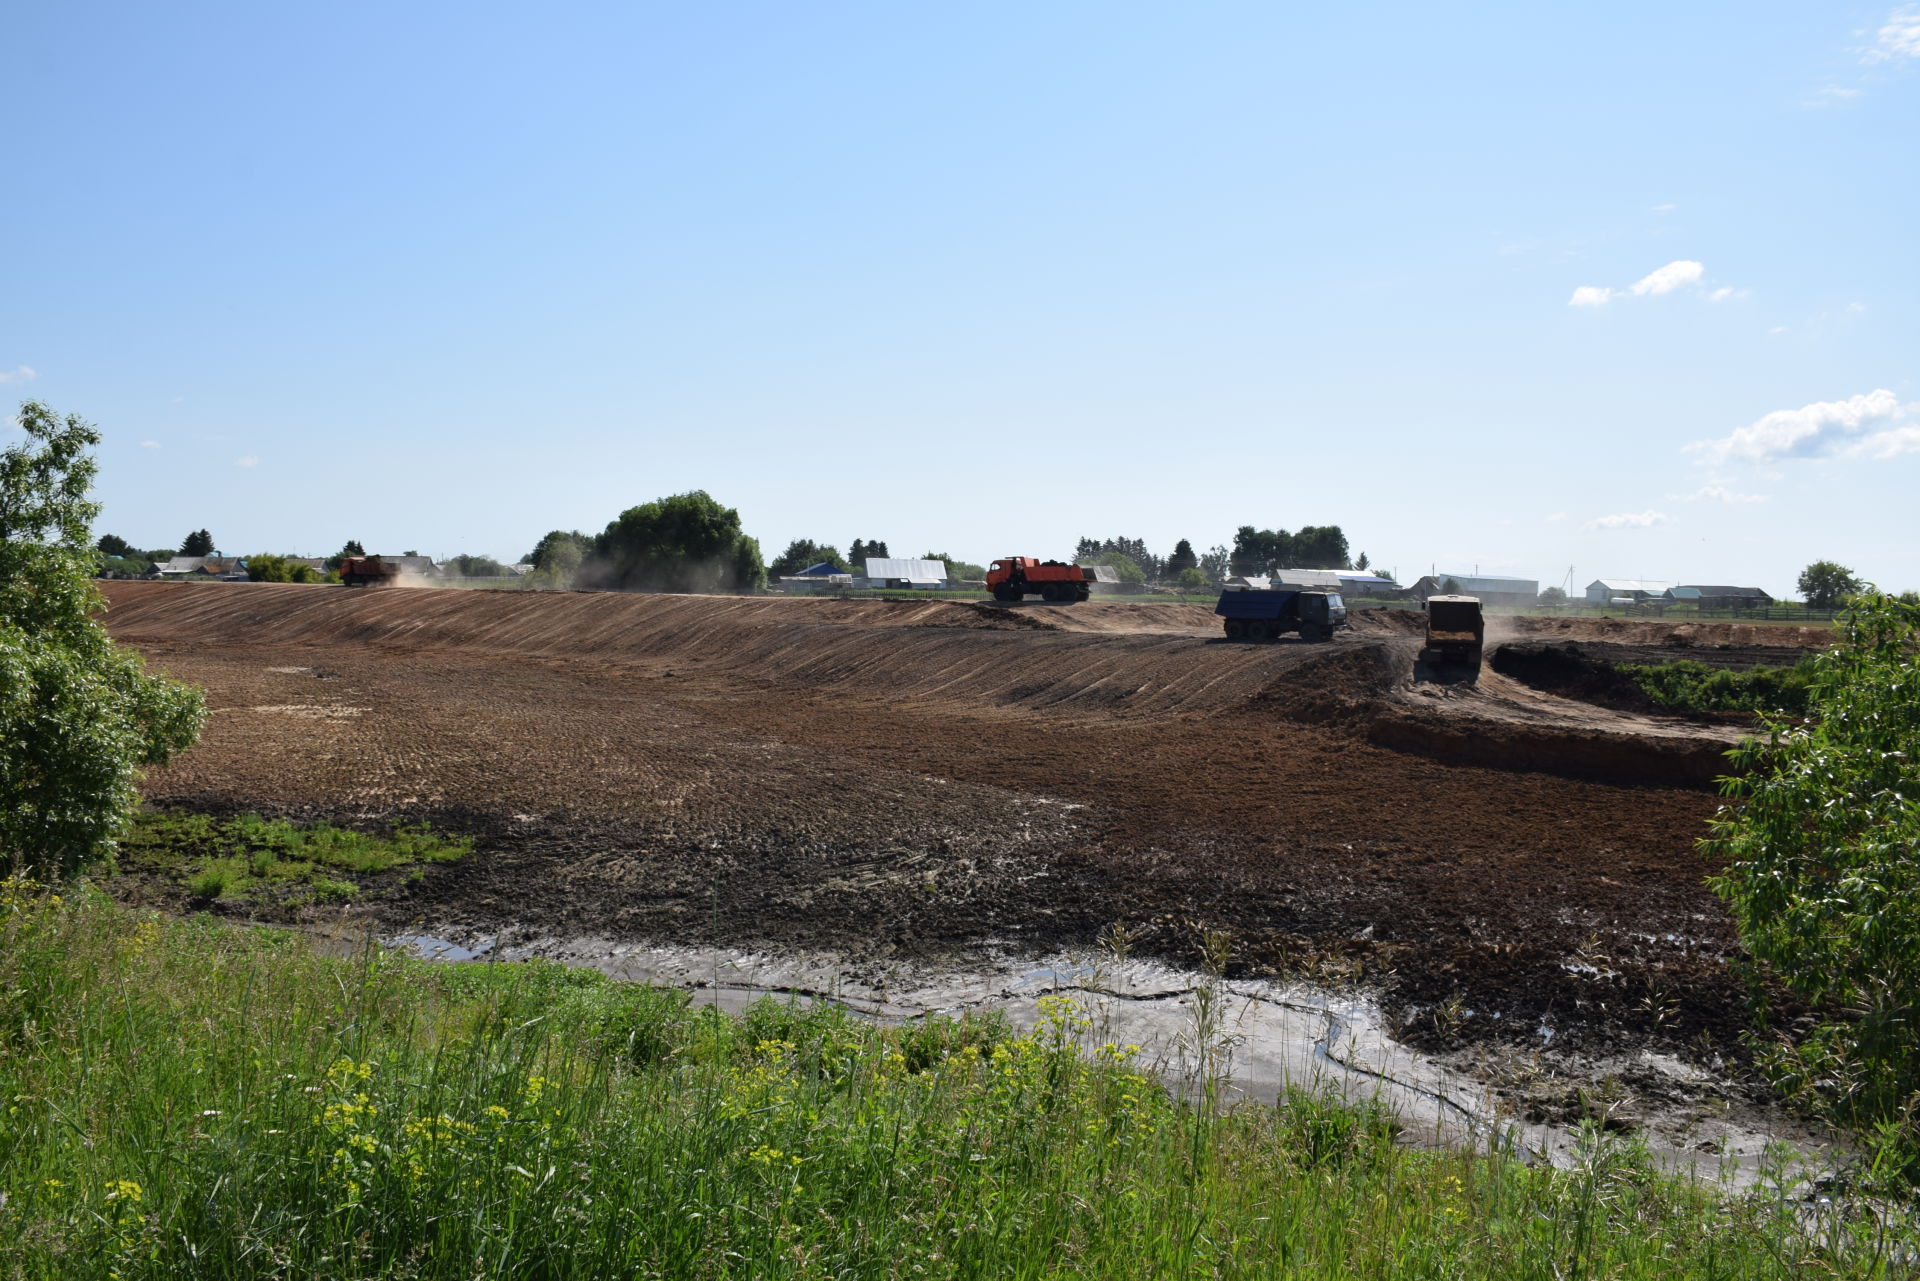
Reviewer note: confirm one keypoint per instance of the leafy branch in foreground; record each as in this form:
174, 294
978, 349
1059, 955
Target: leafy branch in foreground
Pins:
1821, 837
78, 715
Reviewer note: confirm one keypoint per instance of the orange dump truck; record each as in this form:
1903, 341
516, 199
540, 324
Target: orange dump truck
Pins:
1017, 577
367, 571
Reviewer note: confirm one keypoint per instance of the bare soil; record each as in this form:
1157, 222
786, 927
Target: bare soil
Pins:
924, 779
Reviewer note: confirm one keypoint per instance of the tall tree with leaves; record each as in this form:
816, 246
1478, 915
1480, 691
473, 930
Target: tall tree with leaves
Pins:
1825, 584
685, 543
804, 553
198, 543
1182, 559
860, 552
79, 716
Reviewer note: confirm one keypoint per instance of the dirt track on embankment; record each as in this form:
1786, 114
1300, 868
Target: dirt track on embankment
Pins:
920, 778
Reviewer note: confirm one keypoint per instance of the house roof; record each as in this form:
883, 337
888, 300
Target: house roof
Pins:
1692, 591
201, 565
1475, 584
820, 570
1629, 585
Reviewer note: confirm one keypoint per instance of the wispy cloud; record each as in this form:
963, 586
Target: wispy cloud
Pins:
1628, 520
1665, 280
18, 374
1556, 517
249, 461
149, 444
1668, 208
1662, 280
1717, 494
1725, 292
1821, 429
1899, 38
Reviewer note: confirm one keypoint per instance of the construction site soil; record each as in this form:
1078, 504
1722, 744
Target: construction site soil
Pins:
922, 780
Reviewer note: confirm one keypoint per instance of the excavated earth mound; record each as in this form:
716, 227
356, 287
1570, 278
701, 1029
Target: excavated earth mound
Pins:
923, 778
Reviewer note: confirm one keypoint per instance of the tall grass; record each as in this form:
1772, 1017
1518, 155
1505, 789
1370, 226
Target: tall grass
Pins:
185, 1098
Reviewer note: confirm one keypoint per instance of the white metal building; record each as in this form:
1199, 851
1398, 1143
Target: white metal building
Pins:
904, 572
1602, 590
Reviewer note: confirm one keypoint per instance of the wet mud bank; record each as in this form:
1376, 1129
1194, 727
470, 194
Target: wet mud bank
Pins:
1253, 1041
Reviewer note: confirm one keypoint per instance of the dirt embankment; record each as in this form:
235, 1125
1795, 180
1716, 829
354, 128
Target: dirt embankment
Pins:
897, 779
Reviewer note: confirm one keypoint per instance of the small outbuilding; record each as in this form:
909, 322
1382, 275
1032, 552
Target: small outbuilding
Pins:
1720, 597
1602, 591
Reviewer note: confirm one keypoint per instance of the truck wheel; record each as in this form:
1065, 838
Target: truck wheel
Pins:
1236, 629
1315, 633
1004, 593
1083, 593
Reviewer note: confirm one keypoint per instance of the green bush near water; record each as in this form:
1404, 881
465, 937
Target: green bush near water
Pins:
188, 1098
1696, 687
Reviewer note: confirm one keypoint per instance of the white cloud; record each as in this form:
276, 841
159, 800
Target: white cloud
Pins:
1665, 208
1662, 280
1899, 38
18, 374
249, 461
1830, 96
1808, 431
1855, 308
1778, 329
1556, 516
1668, 278
1717, 494
149, 444
1882, 445
1725, 292
1628, 520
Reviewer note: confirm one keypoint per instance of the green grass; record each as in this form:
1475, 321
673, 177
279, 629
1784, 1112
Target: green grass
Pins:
250, 858
1696, 687
190, 1098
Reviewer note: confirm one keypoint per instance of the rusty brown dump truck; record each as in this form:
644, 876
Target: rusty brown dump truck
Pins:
368, 571
1456, 634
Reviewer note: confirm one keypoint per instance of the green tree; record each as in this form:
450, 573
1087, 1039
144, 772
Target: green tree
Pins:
1182, 559
465, 566
1191, 579
860, 552
685, 543
114, 545
1824, 584
1363, 564
1818, 835
78, 715
1553, 596
566, 547
804, 553
268, 568
198, 543
1450, 588
1215, 563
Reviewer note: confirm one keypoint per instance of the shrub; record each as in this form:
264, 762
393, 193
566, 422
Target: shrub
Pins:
1819, 837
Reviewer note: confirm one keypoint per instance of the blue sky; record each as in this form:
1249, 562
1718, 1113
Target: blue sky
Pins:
1631, 289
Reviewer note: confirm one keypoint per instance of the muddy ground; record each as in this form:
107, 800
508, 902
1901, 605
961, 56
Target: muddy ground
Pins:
929, 781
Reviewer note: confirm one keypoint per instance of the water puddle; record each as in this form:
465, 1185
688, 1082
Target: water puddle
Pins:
1247, 1040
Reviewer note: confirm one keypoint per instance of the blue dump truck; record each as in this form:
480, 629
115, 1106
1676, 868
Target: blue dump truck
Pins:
1264, 614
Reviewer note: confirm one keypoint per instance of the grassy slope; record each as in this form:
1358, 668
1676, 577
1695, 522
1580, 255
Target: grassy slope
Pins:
188, 1098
